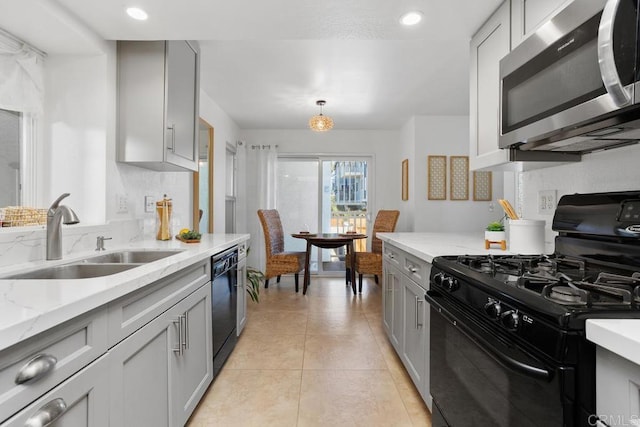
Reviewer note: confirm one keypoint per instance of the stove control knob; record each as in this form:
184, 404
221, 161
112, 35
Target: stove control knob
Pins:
438, 278
510, 320
493, 309
450, 284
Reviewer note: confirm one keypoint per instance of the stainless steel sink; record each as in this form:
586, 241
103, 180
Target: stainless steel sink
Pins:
96, 266
129, 257
73, 271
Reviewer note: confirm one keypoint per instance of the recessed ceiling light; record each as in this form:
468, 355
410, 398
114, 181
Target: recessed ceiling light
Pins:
411, 18
137, 13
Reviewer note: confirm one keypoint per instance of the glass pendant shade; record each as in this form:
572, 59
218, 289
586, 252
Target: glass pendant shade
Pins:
320, 123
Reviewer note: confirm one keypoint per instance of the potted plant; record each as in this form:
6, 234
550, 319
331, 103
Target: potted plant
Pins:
495, 233
255, 278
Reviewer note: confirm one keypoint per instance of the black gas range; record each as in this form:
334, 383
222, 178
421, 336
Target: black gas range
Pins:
508, 342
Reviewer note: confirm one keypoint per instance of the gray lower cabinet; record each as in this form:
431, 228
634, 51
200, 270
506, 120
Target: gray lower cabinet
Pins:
81, 400
159, 373
415, 345
145, 359
392, 301
405, 315
617, 389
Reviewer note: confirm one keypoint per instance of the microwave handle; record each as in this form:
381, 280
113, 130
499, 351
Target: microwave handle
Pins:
606, 59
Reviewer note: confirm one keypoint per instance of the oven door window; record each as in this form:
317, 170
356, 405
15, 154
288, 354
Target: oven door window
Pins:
471, 388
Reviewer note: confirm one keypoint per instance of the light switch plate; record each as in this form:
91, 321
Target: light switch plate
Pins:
148, 203
121, 203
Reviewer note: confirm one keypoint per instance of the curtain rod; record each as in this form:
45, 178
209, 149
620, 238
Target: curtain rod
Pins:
22, 43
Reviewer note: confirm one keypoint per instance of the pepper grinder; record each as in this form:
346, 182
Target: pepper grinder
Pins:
164, 207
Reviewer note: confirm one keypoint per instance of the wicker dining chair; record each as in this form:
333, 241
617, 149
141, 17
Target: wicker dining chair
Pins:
278, 261
371, 262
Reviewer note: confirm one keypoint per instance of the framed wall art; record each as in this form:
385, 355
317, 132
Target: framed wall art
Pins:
459, 166
437, 177
482, 182
405, 179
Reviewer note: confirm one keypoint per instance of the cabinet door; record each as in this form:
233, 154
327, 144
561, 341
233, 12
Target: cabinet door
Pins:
416, 323
488, 46
193, 369
82, 400
387, 298
528, 15
139, 373
181, 103
242, 295
395, 282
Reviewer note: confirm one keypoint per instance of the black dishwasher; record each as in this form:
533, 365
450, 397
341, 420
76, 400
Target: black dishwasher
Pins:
224, 300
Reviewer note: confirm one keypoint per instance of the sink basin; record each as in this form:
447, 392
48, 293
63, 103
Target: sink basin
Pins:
73, 271
96, 266
129, 257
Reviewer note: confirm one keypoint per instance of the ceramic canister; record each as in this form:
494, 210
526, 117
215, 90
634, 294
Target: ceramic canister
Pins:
526, 236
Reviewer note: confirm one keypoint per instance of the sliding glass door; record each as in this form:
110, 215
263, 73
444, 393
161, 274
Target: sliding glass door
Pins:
326, 195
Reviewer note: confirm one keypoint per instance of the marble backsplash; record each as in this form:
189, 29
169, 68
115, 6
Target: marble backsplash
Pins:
28, 244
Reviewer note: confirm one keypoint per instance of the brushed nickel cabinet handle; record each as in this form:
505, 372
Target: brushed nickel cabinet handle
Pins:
172, 128
47, 414
179, 322
36, 368
186, 330
418, 302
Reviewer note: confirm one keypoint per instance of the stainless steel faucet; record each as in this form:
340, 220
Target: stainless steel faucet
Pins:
55, 217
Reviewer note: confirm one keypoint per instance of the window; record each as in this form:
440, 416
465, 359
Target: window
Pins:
230, 190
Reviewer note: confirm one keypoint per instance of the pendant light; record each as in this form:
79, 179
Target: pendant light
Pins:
320, 123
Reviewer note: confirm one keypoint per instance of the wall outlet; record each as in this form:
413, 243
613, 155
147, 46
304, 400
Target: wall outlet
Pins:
121, 203
148, 203
547, 202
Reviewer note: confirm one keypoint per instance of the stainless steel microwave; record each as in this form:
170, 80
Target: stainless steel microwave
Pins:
573, 86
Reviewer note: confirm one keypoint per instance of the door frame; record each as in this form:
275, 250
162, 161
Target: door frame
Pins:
371, 186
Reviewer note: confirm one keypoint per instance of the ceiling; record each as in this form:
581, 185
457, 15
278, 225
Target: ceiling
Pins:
265, 63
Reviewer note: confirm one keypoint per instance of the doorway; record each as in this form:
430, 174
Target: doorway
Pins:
324, 195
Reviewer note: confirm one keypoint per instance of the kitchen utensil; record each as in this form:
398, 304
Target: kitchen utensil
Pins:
508, 209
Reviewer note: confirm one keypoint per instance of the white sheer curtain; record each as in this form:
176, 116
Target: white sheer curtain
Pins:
262, 168
21, 76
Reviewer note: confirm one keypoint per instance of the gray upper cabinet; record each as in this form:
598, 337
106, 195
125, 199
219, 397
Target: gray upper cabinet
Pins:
528, 15
158, 87
490, 44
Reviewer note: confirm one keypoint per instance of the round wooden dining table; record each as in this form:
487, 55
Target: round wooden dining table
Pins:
329, 241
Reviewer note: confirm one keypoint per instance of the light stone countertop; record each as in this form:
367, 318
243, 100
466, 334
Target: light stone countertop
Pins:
427, 246
620, 336
28, 307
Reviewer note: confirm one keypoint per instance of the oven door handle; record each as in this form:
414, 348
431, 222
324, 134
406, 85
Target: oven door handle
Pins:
510, 357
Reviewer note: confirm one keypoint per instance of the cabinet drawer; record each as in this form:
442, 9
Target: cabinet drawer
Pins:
63, 351
82, 400
133, 311
417, 269
392, 255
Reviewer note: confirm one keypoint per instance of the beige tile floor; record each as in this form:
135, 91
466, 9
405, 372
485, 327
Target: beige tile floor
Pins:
317, 360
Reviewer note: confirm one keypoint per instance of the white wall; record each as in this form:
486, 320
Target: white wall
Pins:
406, 151
225, 131
75, 134
447, 135
611, 170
